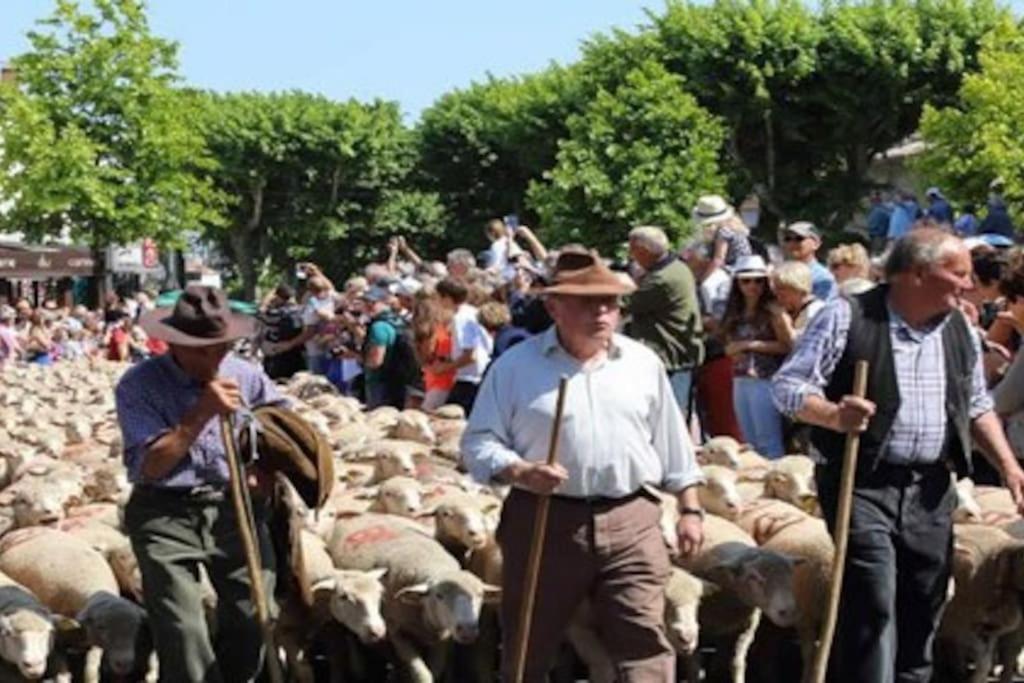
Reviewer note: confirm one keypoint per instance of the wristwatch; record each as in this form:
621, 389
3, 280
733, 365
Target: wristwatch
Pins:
691, 511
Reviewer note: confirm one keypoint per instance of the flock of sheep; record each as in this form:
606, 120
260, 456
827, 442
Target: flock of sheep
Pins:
399, 573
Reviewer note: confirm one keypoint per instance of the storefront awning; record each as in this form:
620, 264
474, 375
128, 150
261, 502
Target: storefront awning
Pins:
38, 263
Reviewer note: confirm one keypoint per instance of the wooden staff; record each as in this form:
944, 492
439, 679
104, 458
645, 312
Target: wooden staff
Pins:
540, 525
247, 530
842, 534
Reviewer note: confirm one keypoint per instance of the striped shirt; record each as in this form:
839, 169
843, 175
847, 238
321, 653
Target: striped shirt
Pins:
919, 429
621, 429
153, 397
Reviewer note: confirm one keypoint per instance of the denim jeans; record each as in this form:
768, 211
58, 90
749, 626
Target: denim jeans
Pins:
681, 381
760, 421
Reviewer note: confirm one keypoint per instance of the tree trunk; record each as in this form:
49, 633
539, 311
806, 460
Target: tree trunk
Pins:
247, 241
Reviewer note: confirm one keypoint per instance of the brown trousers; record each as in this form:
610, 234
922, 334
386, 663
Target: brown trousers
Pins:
612, 553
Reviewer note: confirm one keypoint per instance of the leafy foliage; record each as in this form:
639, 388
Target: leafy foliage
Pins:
95, 137
641, 153
979, 139
309, 177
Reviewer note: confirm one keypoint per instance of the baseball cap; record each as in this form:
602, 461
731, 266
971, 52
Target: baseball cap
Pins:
804, 229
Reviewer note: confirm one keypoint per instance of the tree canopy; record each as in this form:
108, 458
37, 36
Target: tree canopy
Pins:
96, 139
977, 140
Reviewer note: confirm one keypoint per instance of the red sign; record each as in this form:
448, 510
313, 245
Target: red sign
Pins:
150, 254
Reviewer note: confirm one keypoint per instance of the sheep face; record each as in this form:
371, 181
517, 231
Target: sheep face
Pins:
719, 494
119, 627
26, 640
355, 601
462, 522
967, 510
401, 496
682, 600
452, 603
395, 463
764, 579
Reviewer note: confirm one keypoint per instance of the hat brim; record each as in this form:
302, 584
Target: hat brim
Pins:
711, 219
574, 289
154, 323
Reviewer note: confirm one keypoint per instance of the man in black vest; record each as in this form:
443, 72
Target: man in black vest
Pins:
925, 403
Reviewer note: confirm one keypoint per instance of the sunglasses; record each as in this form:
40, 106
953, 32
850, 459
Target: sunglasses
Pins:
752, 281
793, 238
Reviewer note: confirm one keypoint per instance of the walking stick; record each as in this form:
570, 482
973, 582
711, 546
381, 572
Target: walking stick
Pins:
842, 534
540, 524
247, 530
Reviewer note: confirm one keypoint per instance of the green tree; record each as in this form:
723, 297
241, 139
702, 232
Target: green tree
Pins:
641, 153
95, 137
480, 147
306, 177
979, 138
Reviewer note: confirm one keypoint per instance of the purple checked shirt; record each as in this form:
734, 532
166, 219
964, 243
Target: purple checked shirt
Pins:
152, 398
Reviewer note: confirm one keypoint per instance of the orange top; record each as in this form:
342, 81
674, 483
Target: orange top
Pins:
442, 351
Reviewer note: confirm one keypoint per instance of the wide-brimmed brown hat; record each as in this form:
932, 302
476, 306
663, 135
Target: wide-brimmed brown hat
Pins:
585, 274
200, 317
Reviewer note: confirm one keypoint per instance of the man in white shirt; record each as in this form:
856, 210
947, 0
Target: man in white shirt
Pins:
622, 433
471, 345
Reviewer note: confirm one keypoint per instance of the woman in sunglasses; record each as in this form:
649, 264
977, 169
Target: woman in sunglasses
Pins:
758, 336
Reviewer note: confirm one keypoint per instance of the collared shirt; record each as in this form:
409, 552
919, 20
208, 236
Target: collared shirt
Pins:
823, 282
153, 397
919, 429
621, 427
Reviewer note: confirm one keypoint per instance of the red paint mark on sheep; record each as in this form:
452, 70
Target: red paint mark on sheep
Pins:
371, 535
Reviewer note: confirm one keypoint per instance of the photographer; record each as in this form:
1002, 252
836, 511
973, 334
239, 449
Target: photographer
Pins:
282, 322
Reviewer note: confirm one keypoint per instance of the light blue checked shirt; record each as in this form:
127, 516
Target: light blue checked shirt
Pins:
919, 429
152, 398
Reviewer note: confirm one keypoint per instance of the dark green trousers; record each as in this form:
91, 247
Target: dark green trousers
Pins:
172, 535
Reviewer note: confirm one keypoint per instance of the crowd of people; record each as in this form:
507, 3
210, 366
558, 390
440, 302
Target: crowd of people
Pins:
52, 332
720, 312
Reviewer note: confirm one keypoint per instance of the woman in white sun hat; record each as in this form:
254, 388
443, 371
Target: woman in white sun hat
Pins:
757, 335
728, 235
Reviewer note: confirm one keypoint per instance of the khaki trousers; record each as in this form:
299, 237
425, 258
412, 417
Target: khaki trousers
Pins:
611, 552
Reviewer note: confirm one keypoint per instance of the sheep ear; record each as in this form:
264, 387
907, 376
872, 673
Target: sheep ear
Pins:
367, 493
327, 584
5, 626
412, 595
377, 574
492, 594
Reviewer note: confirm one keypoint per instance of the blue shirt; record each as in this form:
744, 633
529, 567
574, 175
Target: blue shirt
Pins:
823, 283
153, 397
878, 220
902, 219
919, 429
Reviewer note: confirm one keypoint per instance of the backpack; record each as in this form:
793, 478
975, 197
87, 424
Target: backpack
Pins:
401, 367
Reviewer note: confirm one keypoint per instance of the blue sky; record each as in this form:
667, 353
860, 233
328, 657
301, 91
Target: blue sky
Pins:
411, 51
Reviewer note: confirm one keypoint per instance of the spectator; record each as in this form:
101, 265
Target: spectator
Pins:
967, 224
878, 221
431, 326
663, 312
471, 345
282, 319
851, 267
386, 371
503, 246
801, 241
791, 283
10, 347
39, 344
319, 309
989, 268
728, 235
903, 216
460, 263
757, 338
938, 208
998, 221
117, 341
496, 319
714, 378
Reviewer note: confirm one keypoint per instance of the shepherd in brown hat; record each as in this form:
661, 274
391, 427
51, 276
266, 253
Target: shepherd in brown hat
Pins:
622, 433
179, 516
